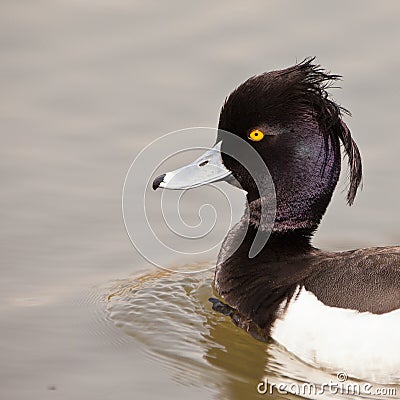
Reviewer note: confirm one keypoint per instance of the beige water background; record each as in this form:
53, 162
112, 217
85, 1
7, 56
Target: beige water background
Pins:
84, 85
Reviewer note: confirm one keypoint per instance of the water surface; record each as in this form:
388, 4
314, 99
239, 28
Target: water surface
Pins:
84, 86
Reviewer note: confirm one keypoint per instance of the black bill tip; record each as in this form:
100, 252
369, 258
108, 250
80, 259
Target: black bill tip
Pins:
157, 181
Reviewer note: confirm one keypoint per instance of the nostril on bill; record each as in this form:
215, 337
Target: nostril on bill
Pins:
202, 164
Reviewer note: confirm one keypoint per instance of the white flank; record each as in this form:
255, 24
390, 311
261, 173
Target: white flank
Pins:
364, 345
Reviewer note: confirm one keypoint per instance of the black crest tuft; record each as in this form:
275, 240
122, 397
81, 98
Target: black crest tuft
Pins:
329, 116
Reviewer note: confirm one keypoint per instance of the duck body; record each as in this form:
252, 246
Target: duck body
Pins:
339, 311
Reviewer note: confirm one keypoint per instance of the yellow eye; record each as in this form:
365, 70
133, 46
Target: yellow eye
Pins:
256, 135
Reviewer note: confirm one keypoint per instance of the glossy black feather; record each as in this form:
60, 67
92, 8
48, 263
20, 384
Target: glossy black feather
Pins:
304, 130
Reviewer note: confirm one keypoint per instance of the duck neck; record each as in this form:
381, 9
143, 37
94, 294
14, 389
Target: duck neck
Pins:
289, 216
290, 243
288, 234
268, 278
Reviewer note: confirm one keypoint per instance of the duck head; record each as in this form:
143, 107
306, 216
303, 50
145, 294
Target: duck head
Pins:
287, 117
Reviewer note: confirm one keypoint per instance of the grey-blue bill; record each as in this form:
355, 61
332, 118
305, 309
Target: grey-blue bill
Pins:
206, 169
